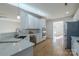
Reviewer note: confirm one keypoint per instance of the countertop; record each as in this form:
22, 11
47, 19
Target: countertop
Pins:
7, 49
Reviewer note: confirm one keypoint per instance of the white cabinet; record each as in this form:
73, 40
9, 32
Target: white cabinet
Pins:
33, 22
24, 20
43, 23
43, 27
25, 52
29, 21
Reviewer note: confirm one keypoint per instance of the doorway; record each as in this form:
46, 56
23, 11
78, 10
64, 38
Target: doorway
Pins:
58, 36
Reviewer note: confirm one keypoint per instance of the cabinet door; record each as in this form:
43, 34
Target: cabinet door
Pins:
31, 24
43, 23
34, 22
25, 52
37, 23
24, 20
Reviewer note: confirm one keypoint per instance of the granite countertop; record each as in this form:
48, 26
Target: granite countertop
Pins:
7, 49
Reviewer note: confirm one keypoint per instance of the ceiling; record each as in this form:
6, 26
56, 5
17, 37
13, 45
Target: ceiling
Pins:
56, 10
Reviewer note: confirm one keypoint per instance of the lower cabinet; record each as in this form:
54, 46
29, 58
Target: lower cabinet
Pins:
75, 48
25, 52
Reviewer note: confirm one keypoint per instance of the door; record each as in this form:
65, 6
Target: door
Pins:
58, 34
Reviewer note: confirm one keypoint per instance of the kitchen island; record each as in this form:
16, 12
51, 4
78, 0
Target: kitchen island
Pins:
75, 45
20, 48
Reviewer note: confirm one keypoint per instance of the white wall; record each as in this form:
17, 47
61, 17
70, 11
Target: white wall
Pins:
58, 28
7, 25
49, 29
49, 25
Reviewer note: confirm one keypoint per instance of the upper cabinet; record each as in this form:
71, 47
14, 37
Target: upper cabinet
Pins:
33, 22
24, 20
43, 23
29, 21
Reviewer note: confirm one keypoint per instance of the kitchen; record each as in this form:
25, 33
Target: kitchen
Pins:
28, 29
17, 30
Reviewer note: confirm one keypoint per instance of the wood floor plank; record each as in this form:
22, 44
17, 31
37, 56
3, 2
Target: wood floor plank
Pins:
46, 48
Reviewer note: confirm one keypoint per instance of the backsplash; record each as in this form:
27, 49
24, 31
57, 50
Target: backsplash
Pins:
7, 35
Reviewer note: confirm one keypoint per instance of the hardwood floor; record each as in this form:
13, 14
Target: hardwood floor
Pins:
50, 48
43, 49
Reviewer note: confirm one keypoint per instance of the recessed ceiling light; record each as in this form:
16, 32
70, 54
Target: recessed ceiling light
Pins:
67, 12
18, 17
